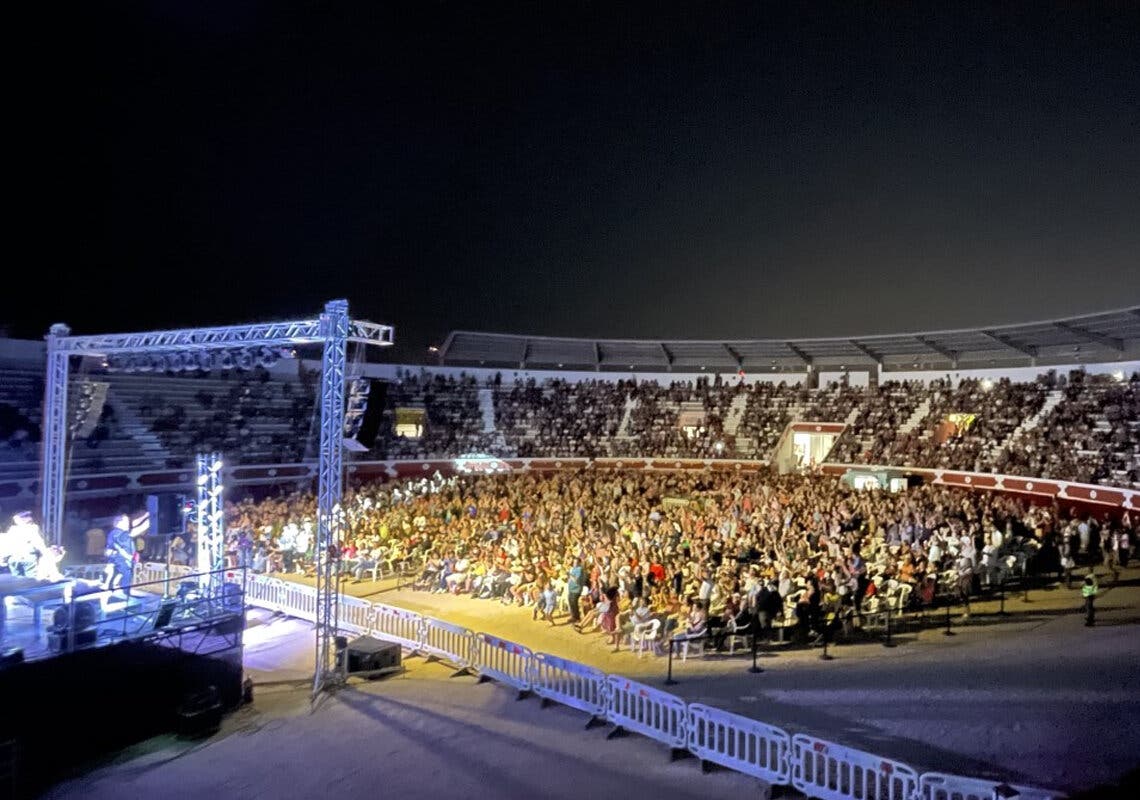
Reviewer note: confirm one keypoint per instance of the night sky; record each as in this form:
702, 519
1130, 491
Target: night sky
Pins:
763, 169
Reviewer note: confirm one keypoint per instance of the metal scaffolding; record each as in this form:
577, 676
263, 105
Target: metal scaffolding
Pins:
211, 517
333, 330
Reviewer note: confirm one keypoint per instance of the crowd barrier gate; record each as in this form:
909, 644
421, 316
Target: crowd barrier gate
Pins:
739, 743
569, 683
451, 643
828, 771
642, 709
506, 662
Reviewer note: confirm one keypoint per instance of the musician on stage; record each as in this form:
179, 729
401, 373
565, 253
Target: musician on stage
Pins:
26, 552
121, 549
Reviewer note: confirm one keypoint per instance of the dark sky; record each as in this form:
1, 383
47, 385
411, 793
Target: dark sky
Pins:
578, 169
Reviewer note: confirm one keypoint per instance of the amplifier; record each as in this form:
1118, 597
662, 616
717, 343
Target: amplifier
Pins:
367, 655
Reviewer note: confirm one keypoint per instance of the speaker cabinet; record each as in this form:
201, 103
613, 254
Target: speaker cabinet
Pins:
368, 655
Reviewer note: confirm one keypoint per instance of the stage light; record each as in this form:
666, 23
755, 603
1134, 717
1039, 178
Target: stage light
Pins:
1118, 376
987, 384
226, 360
202, 480
434, 349
217, 465
244, 360
205, 360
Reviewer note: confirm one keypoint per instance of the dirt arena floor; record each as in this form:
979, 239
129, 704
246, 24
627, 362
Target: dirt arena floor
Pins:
1034, 697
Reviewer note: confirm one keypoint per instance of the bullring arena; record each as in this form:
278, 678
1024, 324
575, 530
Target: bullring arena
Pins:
861, 563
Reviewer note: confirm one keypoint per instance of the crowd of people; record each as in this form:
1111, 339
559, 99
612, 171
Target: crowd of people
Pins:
1089, 432
701, 553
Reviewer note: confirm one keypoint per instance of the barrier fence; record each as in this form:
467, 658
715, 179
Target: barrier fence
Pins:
739, 743
820, 769
642, 709
504, 661
830, 771
569, 683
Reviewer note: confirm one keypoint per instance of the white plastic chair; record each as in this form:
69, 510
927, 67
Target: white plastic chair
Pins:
687, 640
643, 636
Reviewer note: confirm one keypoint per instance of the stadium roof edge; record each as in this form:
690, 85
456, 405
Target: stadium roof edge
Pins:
1087, 338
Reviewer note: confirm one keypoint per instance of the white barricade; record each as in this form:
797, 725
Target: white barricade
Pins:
504, 661
739, 743
264, 592
355, 615
451, 643
936, 786
299, 601
398, 625
569, 683
829, 771
634, 706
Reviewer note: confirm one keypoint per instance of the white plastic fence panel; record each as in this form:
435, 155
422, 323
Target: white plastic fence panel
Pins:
397, 625
299, 601
149, 572
829, 771
569, 683
739, 743
504, 661
355, 615
645, 710
264, 592
937, 786
452, 643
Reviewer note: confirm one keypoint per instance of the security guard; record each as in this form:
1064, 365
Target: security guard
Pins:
1088, 592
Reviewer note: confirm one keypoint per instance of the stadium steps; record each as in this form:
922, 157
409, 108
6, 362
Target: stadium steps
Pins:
735, 414
627, 413
487, 407
915, 418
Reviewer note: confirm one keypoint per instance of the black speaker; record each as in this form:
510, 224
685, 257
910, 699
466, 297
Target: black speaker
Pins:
200, 714
373, 413
165, 512
367, 654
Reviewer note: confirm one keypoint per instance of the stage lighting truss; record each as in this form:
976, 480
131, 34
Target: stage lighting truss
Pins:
211, 518
238, 358
257, 344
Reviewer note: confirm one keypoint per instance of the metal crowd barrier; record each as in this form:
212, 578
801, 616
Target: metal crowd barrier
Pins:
642, 709
739, 743
398, 625
569, 683
936, 786
820, 769
504, 661
829, 771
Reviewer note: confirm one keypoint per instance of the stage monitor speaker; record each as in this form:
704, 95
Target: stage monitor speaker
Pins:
165, 512
373, 413
367, 654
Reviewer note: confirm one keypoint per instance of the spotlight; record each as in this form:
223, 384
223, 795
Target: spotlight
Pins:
205, 360
244, 360
226, 360
217, 465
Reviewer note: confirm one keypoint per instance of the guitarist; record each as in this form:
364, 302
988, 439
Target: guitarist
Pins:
121, 553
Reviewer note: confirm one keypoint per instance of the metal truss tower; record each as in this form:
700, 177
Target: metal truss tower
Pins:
333, 330
211, 518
